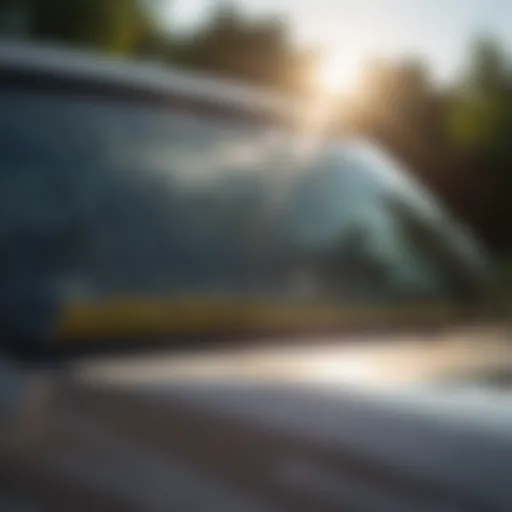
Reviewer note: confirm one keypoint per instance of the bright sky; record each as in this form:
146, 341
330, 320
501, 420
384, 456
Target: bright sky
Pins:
350, 31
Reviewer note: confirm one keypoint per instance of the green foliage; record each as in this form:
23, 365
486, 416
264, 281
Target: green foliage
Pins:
475, 123
114, 26
481, 113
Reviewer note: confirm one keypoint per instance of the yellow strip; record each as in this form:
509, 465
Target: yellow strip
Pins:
123, 317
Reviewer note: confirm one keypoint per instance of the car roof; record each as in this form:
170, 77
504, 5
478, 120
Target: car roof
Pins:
151, 76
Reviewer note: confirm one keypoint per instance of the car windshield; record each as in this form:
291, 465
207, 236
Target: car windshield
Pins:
109, 199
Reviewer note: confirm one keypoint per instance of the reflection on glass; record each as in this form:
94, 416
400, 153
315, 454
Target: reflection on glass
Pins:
119, 198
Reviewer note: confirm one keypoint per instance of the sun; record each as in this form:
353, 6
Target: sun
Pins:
338, 75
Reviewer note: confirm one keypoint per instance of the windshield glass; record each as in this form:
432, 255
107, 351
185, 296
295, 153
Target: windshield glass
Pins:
126, 202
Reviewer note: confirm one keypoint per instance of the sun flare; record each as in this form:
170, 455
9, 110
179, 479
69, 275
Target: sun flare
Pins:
337, 75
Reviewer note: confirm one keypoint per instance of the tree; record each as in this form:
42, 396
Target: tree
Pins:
116, 26
479, 125
488, 68
481, 106
256, 51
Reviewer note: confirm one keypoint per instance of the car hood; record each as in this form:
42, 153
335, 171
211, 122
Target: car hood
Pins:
382, 423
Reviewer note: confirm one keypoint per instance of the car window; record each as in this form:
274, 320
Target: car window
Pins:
118, 198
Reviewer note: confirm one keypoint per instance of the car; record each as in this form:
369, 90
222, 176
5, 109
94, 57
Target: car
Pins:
141, 201
287, 280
